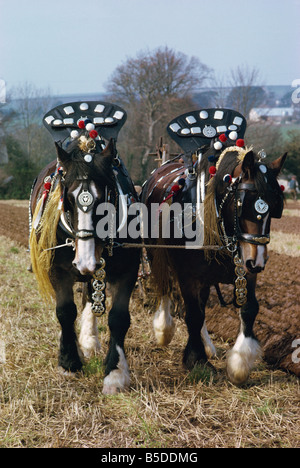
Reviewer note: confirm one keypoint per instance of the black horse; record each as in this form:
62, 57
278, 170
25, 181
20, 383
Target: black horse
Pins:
240, 195
65, 203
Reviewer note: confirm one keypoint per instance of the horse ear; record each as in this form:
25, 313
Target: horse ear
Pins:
276, 165
110, 150
63, 156
248, 164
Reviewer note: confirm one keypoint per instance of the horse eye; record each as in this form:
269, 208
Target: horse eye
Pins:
69, 201
70, 198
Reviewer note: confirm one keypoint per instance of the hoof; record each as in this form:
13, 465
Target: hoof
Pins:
237, 370
240, 360
111, 390
91, 349
163, 323
116, 382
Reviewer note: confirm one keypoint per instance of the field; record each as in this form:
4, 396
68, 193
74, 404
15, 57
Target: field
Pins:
166, 407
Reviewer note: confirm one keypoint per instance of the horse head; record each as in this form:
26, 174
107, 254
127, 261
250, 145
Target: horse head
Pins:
88, 181
248, 196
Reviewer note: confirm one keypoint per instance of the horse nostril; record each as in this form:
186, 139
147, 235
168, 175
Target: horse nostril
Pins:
84, 268
250, 265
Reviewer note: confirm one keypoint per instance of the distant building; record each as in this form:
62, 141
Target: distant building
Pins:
276, 114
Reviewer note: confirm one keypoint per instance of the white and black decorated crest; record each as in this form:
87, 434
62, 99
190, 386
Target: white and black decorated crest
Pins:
107, 119
195, 129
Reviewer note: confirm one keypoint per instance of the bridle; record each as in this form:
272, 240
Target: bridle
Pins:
237, 190
85, 201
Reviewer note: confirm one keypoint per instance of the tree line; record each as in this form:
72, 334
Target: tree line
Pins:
153, 88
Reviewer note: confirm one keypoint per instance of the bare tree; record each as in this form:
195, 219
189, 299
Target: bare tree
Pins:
30, 104
241, 90
246, 89
149, 85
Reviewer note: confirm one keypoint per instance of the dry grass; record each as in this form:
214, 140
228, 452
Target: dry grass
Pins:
291, 212
18, 203
166, 407
283, 243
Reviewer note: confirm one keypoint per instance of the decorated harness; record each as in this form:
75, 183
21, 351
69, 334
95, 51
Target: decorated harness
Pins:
214, 132
88, 124
91, 123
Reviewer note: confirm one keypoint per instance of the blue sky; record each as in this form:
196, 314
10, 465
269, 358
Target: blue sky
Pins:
73, 46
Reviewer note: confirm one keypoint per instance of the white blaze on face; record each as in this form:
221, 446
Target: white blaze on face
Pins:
85, 259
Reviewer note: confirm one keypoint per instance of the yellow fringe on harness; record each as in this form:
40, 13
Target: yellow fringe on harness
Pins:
44, 237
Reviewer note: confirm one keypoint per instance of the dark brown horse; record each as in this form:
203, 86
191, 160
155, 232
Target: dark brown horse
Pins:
240, 195
67, 246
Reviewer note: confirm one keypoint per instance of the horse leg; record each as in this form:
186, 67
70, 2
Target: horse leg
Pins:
195, 317
163, 323
164, 328
208, 344
117, 373
241, 358
88, 338
66, 312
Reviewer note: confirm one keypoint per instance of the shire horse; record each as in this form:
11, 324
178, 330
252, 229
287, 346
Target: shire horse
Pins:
240, 194
64, 204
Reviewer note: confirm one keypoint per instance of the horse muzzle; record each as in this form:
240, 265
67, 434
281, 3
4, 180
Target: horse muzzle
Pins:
253, 268
254, 256
85, 258
85, 268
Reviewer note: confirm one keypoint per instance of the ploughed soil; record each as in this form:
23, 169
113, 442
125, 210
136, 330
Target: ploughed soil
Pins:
278, 290
14, 223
